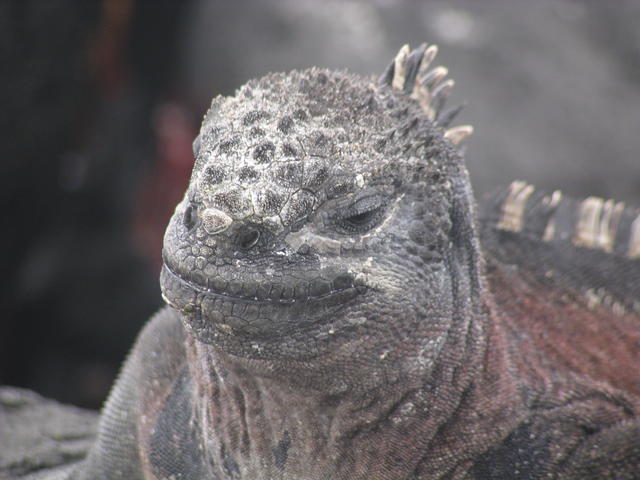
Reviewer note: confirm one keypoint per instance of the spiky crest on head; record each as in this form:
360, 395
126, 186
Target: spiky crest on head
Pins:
409, 72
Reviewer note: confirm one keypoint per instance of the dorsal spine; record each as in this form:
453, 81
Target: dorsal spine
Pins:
592, 222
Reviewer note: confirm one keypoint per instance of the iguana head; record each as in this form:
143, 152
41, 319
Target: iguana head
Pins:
322, 203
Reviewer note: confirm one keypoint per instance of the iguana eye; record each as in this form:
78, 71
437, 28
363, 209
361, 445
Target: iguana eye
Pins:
362, 219
361, 216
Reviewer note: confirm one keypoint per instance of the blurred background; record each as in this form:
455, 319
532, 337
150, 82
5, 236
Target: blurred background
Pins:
100, 101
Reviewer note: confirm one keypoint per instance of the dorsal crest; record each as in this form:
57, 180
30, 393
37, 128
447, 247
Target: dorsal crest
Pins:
409, 72
592, 222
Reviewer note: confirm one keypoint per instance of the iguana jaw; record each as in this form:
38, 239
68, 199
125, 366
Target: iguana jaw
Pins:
258, 316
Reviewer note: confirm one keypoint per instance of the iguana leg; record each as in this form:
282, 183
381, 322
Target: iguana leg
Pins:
593, 437
611, 454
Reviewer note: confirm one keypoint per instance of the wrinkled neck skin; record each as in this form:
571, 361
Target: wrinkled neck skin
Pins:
385, 404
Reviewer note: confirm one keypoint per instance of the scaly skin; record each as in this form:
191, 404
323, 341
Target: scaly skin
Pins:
333, 316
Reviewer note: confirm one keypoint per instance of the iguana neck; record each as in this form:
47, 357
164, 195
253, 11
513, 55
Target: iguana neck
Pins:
305, 419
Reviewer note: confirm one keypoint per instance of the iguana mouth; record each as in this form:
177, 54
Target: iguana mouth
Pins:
269, 312
273, 293
261, 308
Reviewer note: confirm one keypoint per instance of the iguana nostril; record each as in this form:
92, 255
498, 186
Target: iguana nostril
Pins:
190, 217
248, 238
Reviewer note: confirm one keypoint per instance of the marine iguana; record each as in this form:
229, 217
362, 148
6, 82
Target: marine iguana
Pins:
338, 310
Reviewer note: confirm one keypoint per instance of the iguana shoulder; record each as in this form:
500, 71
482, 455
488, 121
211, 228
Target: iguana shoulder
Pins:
147, 379
50, 441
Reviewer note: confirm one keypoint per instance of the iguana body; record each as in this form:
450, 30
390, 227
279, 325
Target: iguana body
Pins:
336, 311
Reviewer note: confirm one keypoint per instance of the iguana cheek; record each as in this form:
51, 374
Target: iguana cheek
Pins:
322, 245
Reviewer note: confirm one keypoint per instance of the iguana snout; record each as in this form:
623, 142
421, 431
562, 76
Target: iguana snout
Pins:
243, 277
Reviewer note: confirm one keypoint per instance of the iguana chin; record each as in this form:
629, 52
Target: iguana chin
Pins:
336, 311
